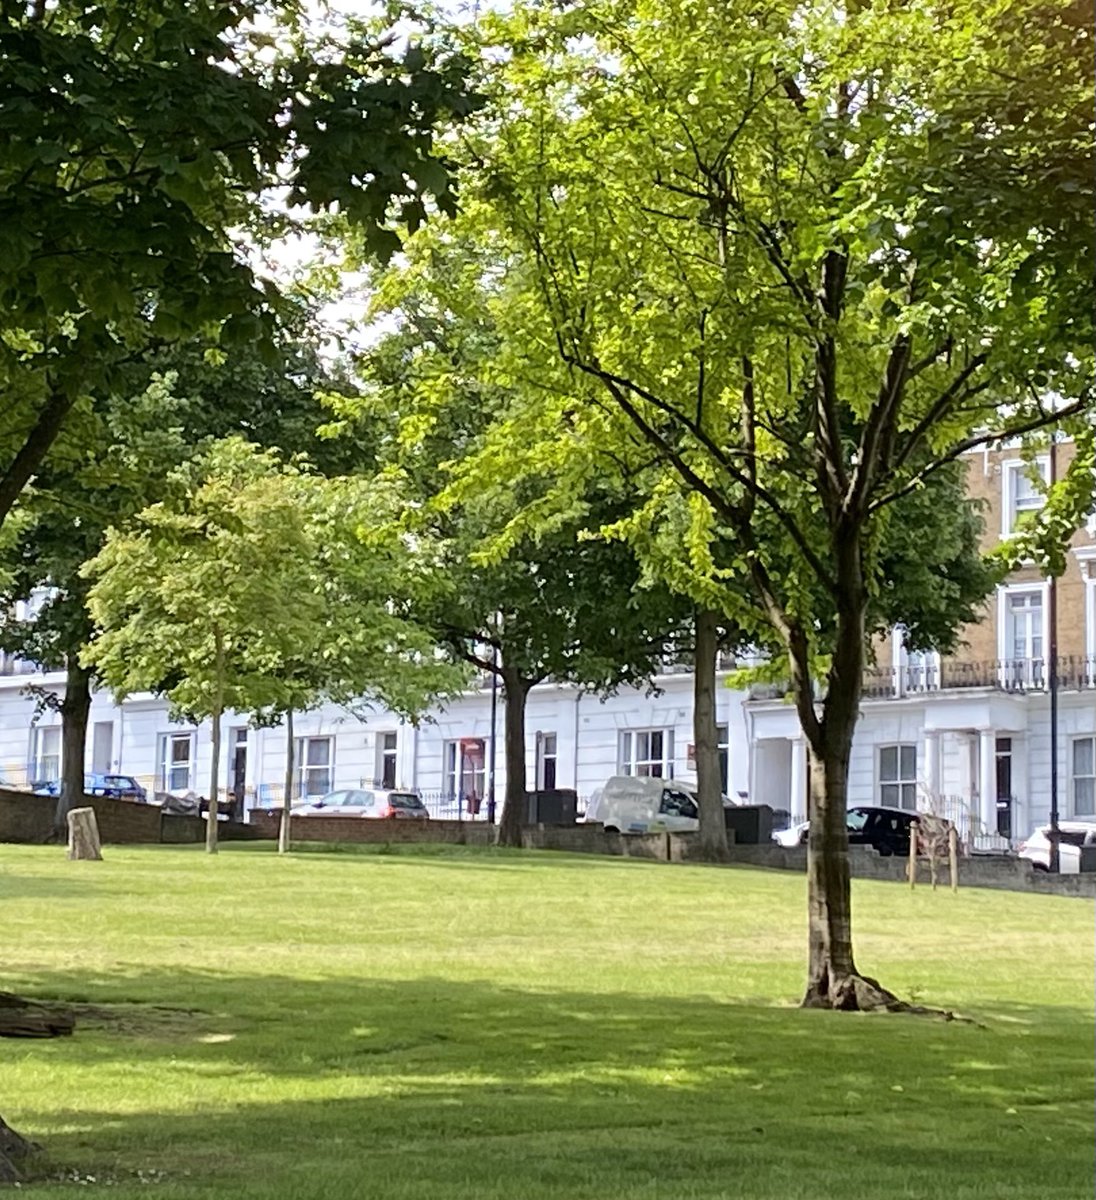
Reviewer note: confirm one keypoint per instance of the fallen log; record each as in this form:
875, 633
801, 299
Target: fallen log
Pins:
28, 1019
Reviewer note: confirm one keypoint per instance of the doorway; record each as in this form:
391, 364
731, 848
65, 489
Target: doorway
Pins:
1004, 787
237, 771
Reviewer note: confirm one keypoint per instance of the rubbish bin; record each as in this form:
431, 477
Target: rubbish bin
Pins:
552, 806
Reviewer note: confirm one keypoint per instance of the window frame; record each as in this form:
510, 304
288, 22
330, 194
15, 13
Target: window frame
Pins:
1013, 470
546, 756
905, 783
38, 772
1089, 777
630, 761
458, 760
1030, 671
167, 765
303, 770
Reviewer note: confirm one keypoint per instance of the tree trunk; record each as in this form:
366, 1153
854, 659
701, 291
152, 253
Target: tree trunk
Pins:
215, 765
287, 796
832, 978
83, 835
709, 789
74, 734
515, 691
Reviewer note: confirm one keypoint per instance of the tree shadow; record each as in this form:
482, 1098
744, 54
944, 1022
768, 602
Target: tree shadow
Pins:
431, 1087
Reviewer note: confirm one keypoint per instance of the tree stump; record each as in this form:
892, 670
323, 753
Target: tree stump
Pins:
83, 834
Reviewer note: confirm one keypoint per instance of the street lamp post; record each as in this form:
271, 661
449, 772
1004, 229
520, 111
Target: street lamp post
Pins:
494, 729
1052, 680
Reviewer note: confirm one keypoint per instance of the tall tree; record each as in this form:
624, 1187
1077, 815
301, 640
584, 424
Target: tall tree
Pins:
808, 275
560, 607
122, 227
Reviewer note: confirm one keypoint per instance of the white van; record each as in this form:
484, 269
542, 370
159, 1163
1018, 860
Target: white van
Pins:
628, 804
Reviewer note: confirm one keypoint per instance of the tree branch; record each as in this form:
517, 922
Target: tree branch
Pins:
34, 449
1043, 421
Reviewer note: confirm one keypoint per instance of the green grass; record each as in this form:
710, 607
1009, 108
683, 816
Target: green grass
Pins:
486, 1025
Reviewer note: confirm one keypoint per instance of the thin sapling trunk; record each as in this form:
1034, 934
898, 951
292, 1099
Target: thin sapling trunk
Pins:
287, 793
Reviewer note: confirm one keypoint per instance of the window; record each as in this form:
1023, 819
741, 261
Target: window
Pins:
1024, 626
1084, 776
898, 776
647, 752
464, 762
387, 746
1022, 494
546, 761
45, 754
313, 760
176, 762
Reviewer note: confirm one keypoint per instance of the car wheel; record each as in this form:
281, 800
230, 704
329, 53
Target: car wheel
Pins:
1040, 867
885, 851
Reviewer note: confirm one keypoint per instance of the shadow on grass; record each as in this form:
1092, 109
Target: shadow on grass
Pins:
458, 1089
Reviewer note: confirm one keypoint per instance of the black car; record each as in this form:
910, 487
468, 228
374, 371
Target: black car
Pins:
886, 830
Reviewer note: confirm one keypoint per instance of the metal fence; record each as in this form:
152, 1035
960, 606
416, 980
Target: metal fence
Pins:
1018, 675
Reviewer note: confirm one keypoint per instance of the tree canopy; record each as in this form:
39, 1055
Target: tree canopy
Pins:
122, 227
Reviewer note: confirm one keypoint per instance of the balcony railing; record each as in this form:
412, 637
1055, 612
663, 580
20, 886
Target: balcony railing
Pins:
1017, 676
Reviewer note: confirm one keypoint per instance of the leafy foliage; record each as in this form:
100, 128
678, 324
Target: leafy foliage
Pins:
122, 227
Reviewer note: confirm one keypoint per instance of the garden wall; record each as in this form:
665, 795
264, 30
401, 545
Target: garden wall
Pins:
28, 818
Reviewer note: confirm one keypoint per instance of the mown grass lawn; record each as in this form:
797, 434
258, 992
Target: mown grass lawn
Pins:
467, 1026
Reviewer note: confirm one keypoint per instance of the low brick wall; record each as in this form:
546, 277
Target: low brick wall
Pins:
27, 818
178, 829
371, 832
980, 870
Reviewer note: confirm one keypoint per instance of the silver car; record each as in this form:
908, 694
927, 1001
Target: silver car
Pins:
359, 802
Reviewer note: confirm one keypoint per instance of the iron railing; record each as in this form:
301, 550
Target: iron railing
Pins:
1019, 675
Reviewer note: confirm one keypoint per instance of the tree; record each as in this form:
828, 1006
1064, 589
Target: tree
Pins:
123, 228
559, 607
808, 276
207, 592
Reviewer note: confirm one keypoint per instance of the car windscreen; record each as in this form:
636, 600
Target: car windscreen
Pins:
404, 800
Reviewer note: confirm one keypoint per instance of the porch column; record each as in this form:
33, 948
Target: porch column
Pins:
931, 776
987, 780
797, 798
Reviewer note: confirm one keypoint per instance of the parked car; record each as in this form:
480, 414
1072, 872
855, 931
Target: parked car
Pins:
646, 804
886, 830
360, 802
116, 787
1072, 835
